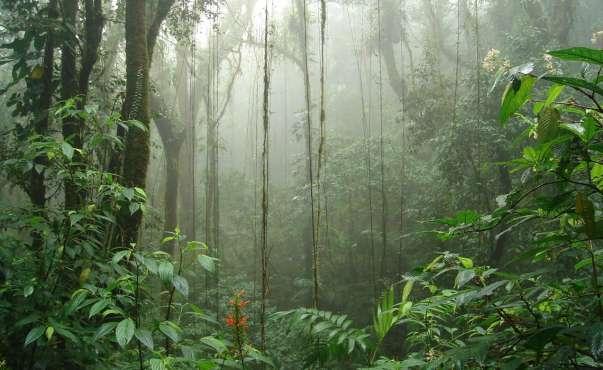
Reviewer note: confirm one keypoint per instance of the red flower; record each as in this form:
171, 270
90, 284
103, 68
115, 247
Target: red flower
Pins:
230, 320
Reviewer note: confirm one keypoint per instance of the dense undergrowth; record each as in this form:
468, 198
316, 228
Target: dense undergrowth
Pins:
70, 297
89, 279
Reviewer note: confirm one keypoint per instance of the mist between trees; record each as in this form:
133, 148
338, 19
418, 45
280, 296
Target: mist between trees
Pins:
301, 184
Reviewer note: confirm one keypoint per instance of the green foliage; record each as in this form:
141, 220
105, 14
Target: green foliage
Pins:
80, 291
515, 95
331, 337
551, 315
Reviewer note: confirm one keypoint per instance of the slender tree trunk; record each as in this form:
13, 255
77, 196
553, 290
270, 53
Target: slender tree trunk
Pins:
500, 241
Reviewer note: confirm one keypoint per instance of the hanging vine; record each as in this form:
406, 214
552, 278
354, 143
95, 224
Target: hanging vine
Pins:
265, 153
402, 148
315, 282
321, 145
382, 163
366, 132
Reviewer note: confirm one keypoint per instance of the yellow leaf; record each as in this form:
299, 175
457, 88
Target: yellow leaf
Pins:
37, 72
84, 275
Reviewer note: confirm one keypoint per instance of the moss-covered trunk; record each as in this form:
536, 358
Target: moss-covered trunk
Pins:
136, 107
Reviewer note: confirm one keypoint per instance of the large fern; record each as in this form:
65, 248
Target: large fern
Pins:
332, 336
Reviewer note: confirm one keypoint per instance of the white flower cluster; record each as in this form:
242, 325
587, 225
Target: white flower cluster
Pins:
549, 64
494, 61
597, 39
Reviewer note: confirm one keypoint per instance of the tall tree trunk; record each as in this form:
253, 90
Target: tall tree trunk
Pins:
135, 107
37, 187
74, 86
172, 139
93, 28
133, 162
71, 127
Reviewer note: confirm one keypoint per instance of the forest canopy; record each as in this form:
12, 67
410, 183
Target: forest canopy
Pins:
301, 184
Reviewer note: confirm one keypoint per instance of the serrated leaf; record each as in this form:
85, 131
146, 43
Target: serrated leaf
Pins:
125, 331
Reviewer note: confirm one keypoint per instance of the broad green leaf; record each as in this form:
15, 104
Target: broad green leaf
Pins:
259, 357
351, 345
120, 255
596, 173
466, 262
208, 263
27, 291
170, 330
321, 326
463, 277
104, 329
128, 193
552, 95
98, 307
433, 263
575, 128
181, 285
125, 331
145, 337
576, 83
166, 271
214, 343
67, 150
515, 97
580, 54
34, 334
66, 333
490, 288
157, 364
